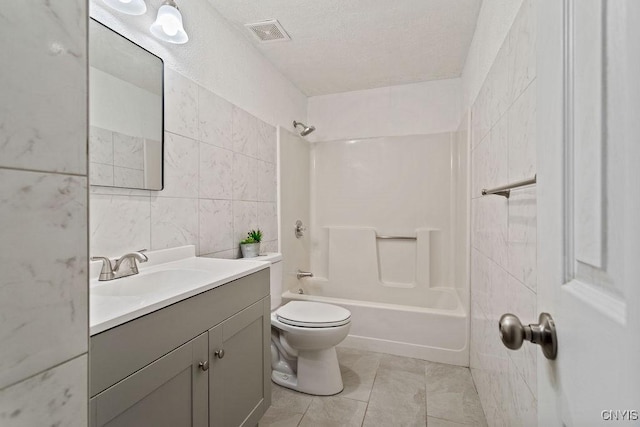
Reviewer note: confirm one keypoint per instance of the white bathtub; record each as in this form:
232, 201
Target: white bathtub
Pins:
435, 331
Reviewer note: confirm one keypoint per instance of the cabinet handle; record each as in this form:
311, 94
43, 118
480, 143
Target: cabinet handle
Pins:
219, 353
204, 365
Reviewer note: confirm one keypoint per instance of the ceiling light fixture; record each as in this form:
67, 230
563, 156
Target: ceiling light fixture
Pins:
130, 7
168, 25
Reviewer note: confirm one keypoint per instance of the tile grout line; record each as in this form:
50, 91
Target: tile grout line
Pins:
452, 421
42, 171
505, 269
475, 387
426, 392
365, 414
373, 384
306, 410
48, 369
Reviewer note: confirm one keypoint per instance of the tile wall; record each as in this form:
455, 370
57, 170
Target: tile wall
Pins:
503, 232
43, 214
220, 181
117, 159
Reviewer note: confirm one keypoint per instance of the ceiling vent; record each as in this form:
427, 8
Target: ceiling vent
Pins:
268, 31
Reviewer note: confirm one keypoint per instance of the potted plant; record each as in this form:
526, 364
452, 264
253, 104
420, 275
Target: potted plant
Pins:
250, 246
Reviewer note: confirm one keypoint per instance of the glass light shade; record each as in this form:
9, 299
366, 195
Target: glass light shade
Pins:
168, 25
130, 7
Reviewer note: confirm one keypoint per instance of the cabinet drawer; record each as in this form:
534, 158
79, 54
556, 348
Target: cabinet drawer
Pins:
118, 352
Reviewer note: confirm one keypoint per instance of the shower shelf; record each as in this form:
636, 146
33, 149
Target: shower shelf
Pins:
505, 190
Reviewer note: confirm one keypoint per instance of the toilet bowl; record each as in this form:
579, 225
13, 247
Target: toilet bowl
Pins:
303, 346
303, 339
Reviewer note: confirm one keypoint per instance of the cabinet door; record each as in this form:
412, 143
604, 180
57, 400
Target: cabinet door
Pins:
239, 381
172, 391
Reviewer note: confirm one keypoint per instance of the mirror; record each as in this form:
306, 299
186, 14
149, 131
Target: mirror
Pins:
126, 118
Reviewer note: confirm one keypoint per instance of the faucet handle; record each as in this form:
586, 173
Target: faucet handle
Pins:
144, 257
106, 262
107, 268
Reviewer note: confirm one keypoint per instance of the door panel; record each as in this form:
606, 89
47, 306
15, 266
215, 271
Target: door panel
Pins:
589, 194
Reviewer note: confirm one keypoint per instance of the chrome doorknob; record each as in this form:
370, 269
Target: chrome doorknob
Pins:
513, 333
204, 365
219, 353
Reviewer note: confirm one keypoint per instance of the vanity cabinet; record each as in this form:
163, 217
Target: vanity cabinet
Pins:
203, 361
172, 391
236, 380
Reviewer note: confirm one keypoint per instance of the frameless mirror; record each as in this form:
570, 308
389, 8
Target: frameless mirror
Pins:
126, 118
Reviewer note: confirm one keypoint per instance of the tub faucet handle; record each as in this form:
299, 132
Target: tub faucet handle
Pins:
106, 273
300, 274
300, 229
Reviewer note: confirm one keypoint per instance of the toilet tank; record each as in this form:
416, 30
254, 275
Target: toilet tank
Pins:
275, 277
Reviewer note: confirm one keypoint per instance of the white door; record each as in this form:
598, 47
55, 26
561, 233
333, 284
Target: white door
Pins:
589, 209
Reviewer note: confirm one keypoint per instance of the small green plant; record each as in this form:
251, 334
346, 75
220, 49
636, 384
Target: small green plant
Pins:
253, 236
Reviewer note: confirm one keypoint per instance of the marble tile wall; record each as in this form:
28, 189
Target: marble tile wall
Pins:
219, 182
116, 159
503, 231
43, 214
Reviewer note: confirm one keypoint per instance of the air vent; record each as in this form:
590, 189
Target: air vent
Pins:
268, 31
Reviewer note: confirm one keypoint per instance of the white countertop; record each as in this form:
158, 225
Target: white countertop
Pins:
106, 312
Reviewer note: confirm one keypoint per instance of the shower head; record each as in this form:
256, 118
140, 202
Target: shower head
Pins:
307, 129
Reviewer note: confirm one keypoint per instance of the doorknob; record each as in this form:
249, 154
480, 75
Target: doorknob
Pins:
513, 333
219, 353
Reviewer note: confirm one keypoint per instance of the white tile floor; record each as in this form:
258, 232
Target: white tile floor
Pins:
383, 390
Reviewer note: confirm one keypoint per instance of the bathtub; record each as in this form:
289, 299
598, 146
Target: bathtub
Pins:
435, 330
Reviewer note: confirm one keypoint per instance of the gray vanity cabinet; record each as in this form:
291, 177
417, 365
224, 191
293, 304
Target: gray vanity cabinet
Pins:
170, 392
239, 380
147, 372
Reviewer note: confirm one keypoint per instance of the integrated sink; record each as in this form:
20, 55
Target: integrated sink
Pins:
156, 282
170, 276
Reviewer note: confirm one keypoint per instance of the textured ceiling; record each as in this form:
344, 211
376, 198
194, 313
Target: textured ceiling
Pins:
345, 45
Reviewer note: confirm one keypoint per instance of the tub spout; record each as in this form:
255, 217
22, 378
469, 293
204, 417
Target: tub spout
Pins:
300, 274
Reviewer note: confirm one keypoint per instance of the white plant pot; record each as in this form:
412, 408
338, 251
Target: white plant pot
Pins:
250, 250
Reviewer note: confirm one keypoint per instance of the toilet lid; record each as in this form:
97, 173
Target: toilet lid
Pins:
313, 314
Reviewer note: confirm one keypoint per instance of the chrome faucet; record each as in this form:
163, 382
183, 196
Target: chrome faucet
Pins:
300, 274
112, 272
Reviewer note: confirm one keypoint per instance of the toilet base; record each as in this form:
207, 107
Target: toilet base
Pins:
318, 373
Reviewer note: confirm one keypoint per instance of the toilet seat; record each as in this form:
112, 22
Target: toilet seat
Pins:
307, 314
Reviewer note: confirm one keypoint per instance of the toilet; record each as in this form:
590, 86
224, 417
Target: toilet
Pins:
304, 336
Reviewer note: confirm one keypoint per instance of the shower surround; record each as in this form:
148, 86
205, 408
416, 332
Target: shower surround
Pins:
382, 243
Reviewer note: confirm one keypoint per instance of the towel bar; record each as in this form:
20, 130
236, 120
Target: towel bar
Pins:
505, 190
